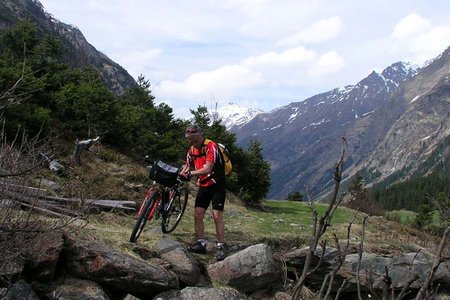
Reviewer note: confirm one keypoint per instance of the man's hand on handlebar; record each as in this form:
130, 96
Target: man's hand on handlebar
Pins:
186, 176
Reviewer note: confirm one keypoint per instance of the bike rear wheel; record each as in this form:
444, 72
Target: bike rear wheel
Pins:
144, 216
175, 210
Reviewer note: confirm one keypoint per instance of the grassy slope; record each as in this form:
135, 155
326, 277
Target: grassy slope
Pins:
109, 175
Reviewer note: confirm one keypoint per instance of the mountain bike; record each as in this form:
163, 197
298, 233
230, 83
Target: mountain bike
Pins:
165, 199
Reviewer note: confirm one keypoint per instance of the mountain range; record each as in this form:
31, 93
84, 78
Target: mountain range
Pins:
392, 121
396, 123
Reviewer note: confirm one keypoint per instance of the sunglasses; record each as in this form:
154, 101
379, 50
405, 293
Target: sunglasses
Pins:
191, 131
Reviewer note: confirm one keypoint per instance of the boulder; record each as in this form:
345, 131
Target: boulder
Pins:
295, 260
43, 256
10, 270
181, 261
249, 270
197, 293
78, 289
401, 268
116, 271
20, 290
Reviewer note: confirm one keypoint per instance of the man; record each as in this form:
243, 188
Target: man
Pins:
204, 161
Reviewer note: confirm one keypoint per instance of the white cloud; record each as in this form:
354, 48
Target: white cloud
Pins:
319, 32
222, 83
418, 39
410, 26
248, 7
288, 57
290, 68
268, 52
329, 63
138, 62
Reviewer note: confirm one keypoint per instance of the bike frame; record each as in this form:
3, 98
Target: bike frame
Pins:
161, 193
167, 202
147, 196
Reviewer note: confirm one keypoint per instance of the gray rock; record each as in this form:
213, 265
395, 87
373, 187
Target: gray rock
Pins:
11, 270
78, 289
202, 293
43, 257
181, 261
116, 271
401, 268
21, 290
249, 270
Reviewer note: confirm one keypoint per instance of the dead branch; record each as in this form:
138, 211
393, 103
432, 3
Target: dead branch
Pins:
387, 282
425, 289
344, 283
83, 145
408, 281
19, 157
323, 223
8, 94
443, 208
51, 163
360, 253
342, 254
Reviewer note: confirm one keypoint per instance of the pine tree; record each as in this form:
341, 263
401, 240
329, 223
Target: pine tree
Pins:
296, 196
254, 176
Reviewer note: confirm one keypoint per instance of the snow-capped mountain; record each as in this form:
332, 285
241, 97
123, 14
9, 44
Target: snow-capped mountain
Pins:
301, 140
234, 116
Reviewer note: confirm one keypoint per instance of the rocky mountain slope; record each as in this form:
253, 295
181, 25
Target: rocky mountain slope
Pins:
418, 138
302, 140
79, 52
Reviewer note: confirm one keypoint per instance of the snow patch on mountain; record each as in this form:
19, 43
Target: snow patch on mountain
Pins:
235, 115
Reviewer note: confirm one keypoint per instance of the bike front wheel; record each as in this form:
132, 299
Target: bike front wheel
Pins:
145, 215
174, 210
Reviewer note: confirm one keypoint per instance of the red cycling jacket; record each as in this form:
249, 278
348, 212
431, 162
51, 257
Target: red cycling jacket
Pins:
197, 158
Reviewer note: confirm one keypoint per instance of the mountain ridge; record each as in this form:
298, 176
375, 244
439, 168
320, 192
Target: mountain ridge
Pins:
80, 53
307, 132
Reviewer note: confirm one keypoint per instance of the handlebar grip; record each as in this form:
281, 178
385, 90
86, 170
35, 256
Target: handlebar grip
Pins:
149, 160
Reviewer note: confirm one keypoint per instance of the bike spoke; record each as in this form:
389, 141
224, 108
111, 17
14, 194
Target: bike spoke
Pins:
175, 210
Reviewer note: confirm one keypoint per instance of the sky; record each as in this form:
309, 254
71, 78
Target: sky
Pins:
258, 53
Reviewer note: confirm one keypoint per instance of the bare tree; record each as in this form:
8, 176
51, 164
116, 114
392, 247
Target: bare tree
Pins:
19, 155
320, 225
22, 218
10, 96
426, 291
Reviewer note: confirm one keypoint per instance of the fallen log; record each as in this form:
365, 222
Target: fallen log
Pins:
25, 190
42, 194
42, 205
100, 203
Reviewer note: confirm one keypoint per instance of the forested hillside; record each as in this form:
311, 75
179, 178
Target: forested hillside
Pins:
41, 95
413, 193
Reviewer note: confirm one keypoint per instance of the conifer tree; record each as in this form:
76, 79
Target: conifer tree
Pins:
254, 176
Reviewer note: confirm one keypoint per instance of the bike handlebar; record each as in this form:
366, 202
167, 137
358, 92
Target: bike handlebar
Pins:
152, 162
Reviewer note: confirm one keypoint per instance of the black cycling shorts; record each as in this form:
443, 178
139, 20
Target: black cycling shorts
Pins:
212, 194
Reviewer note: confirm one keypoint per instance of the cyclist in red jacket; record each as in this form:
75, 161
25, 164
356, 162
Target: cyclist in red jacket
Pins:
205, 162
